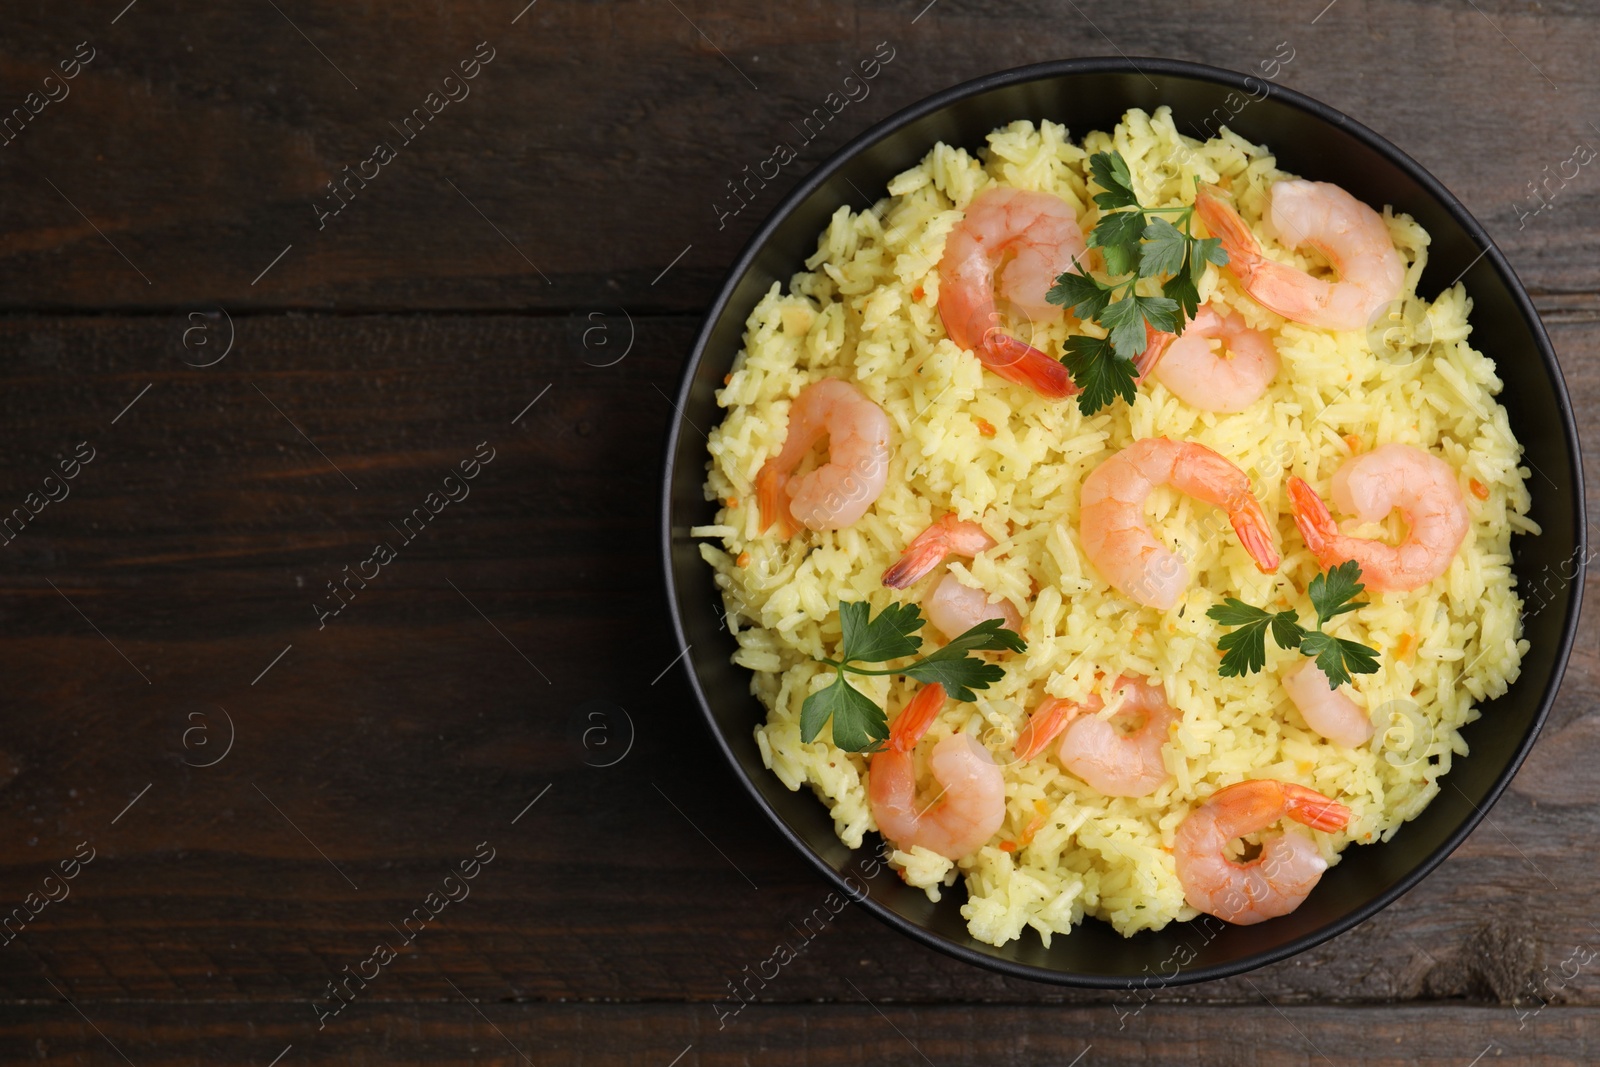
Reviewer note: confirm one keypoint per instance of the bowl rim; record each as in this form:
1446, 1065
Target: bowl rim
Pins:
1123, 64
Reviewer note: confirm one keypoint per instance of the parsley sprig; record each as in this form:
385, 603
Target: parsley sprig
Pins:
1244, 650
1135, 243
859, 725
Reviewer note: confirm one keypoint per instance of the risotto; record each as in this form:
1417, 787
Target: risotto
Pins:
993, 452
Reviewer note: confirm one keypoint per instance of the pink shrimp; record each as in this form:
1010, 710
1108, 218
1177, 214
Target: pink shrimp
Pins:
1424, 489
947, 536
953, 608
970, 804
1328, 711
1156, 344
1353, 237
1012, 243
1118, 540
840, 491
1046, 723
1213, 381
1278, 880
1117, 764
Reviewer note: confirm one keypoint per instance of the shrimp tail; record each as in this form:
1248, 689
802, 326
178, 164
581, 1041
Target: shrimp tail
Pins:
1019, 362
1255, 532
915, 718
1313, 809
1227, 226
1155, 346
926, 551
773, 501
917, 562
1317, 527
1044, 726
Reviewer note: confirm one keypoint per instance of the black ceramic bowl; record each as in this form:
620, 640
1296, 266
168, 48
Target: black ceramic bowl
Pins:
1310, 139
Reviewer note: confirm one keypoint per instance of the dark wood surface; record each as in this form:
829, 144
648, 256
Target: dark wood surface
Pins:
506, 257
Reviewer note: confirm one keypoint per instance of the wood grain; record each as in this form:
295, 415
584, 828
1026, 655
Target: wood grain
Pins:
456, 1031
527, 275
600, 140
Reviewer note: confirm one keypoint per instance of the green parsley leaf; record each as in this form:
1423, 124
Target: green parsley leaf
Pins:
1117, 228
1135, 242
1121, 259
1235, 612
1098, 371
1339, 658
1287, 631
990, 635
1110, 172
958, 676
1127, 328
889, 636
1159, 312
959, 673
1182, 290
1082, 294
1126, 319
1332, 593
858, 724
1164, 249
1244, 651
1203, 250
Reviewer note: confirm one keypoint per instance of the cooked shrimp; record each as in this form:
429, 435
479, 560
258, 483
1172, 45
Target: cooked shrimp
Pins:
1424, 489
1117, 763
1156, 344
1122, 764
1350, 235
1011, 244
1212, 381
953, 608
1275, 882
840, 491
1118, 540
1328, 711
970, 804
1046, 723
948, 536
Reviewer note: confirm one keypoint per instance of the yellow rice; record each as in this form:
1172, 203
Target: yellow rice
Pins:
866, 310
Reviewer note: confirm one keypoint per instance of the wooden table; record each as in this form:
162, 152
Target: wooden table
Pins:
272, 375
